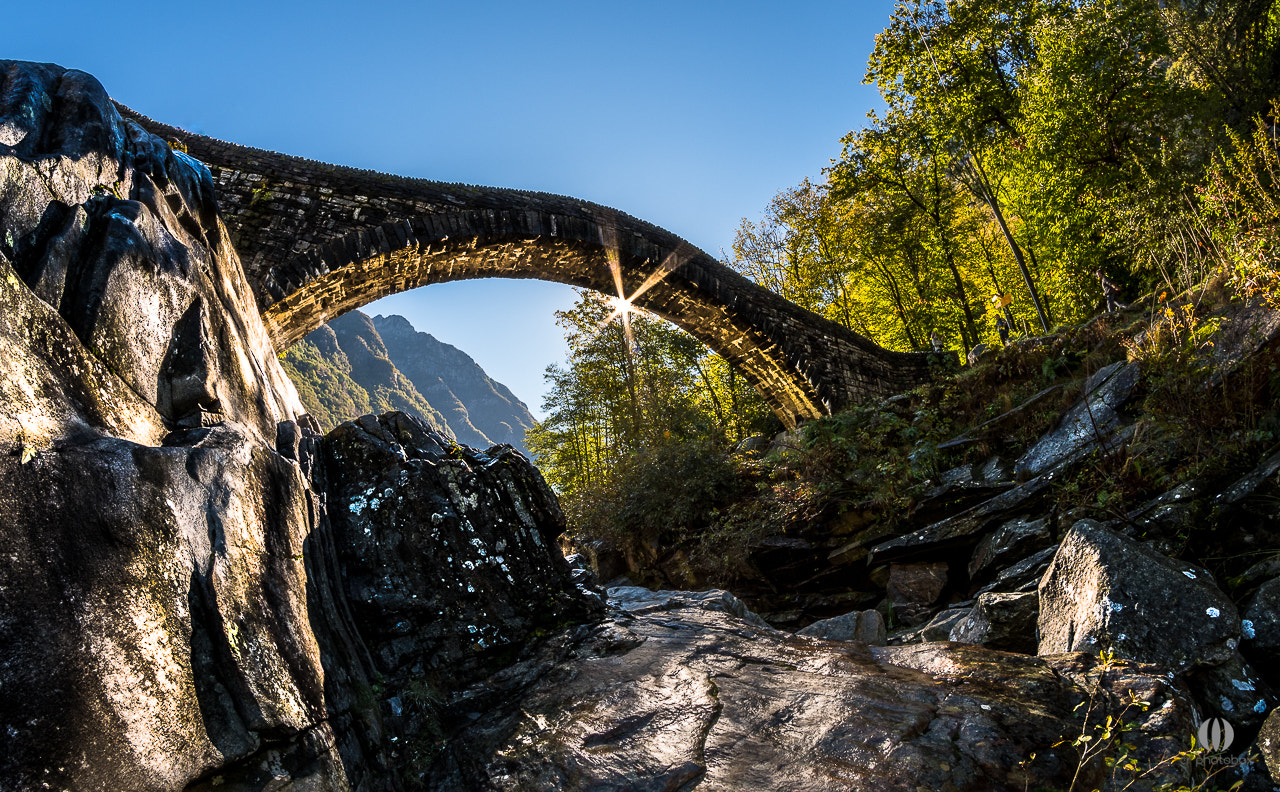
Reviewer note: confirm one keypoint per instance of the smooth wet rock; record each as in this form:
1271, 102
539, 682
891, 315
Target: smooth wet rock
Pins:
663, 699
119, 234
639, 600
1015, 539
1001, 621
1104, 591
866, 626
154, 615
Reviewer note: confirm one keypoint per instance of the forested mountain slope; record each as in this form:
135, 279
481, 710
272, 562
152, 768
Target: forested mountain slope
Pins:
356, 365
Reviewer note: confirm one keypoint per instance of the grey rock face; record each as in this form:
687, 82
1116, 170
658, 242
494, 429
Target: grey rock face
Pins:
963, 529
865, 626
119, 234
1091, 423
1001, 621
174, 605
155, 618
1104, 591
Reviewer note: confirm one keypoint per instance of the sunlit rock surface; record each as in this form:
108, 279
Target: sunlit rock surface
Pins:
688, 696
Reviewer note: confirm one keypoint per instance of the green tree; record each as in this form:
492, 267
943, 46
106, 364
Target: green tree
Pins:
618, 397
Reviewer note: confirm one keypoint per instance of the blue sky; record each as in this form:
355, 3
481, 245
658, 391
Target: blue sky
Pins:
690, 115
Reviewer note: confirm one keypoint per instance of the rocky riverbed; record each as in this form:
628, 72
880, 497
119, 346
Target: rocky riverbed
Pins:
199, 591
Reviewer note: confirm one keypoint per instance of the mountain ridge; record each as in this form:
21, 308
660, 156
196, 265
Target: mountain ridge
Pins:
356, 365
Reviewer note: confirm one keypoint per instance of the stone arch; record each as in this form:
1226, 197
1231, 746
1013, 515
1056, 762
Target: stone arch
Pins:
363, 266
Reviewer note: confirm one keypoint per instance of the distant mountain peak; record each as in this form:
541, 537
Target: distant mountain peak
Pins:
356, 365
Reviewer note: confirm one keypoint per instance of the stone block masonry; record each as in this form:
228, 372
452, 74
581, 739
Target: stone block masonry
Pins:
319, 240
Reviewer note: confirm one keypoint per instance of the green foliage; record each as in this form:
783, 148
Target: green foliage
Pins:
1105, 744
1025, 145
637, 431
325, 386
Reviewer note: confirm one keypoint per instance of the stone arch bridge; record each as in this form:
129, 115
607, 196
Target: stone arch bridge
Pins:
319, 240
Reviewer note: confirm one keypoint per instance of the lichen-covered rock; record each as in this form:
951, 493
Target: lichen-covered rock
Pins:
1104, 591
1001, 621
1153, 710
448, 554
1233, 690
1260, 628
173, 612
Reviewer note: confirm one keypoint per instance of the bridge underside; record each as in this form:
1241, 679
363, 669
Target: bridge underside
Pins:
426, 261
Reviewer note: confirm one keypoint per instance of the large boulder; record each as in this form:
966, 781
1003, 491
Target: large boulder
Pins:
119, 233
449, 555
1105, 592
155, 617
